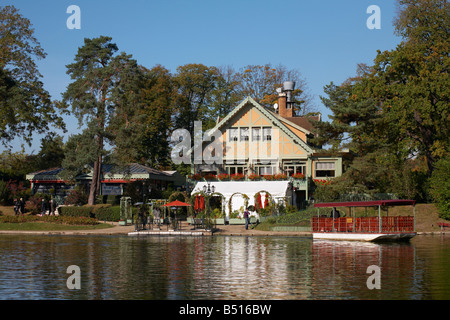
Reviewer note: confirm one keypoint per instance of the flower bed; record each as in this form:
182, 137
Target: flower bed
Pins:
322, 182
83, 221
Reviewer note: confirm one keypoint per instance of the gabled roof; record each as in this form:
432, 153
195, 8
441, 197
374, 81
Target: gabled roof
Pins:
271, 116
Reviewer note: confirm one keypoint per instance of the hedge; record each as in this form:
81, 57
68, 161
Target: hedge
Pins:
107, 213
102, 212
74, 211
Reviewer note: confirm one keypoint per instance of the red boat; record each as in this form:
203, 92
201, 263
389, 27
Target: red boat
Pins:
366, 228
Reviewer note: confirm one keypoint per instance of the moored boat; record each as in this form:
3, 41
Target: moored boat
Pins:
387, 228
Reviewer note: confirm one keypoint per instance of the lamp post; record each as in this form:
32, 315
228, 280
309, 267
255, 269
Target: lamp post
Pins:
209, 190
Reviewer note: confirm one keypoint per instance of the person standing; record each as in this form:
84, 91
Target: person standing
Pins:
51, 207
16, 207
247, 218
43, 207
22, 206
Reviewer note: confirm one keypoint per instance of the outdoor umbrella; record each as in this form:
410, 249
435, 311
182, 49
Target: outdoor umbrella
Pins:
176, 204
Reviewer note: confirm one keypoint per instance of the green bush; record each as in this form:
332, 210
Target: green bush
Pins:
74, 211
107, 213
440, 187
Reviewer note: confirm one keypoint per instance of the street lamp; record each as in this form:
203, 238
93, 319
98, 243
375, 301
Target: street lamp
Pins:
208, 190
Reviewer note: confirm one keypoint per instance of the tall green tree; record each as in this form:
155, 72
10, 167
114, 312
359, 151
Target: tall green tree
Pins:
102, 88
25, 106
412, 82
394, 115
194, 84
142, 134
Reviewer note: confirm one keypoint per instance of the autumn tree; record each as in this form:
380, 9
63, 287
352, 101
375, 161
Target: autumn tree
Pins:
261, 82
25, 106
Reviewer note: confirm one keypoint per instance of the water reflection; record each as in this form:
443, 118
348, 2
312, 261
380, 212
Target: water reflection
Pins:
238, 268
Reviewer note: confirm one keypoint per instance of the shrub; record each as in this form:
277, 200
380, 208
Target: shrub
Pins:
76, 197
73, 211
107, 213
440, 187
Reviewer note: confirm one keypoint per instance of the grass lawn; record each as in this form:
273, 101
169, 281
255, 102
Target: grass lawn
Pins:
42, 226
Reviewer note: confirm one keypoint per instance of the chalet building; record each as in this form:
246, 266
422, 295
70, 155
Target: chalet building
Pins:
113, 180
269, 141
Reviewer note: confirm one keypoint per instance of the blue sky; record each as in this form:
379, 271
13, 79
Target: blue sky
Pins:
323, 39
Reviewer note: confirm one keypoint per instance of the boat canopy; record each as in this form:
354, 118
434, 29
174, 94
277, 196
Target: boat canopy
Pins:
373, 203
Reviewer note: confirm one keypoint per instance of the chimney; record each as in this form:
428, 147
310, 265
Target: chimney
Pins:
285, 100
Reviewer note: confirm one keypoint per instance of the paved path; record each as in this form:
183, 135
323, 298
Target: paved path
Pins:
230, 230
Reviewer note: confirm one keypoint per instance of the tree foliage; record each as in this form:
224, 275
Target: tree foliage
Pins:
25, 106
103, 87
394, 115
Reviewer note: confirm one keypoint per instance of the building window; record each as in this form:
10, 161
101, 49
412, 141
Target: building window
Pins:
235, 170
245, 134
267, 134
295, 168
325, 169
267, 170
256, 134
233, 134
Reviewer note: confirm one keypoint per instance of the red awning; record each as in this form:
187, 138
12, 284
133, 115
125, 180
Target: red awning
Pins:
373, 203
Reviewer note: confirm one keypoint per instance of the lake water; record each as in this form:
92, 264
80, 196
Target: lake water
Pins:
221, 267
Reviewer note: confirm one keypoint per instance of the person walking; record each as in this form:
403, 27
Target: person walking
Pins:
22, 206
247, 218
51, 207
16, 207
43, 207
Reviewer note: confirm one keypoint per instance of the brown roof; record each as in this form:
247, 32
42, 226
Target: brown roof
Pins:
303, 121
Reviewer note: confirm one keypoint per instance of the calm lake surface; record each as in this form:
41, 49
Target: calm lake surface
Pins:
221, 267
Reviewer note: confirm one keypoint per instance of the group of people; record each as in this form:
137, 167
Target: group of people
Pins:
19, 206
50, 207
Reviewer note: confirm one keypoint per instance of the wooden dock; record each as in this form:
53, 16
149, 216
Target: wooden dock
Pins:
181, 233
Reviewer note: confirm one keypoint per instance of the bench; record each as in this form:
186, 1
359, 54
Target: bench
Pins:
443, 225
198, 223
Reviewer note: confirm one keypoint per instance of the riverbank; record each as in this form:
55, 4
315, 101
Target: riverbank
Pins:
427, 220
